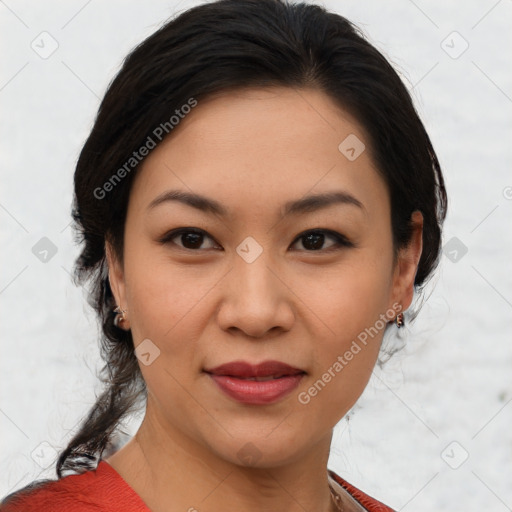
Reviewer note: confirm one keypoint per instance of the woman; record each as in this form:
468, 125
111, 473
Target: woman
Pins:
258, 201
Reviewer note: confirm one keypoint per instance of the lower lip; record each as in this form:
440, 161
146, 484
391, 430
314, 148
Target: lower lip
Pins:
254, 392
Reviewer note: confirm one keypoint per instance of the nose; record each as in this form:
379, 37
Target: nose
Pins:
255, 299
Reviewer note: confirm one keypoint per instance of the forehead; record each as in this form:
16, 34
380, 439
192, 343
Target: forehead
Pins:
255, 149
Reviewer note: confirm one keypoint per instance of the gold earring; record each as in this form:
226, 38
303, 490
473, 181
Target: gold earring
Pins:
399, 320
120, 316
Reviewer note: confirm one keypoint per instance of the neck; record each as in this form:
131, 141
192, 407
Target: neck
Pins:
172, 472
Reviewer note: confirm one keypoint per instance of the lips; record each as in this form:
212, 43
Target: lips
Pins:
263, 383
260, 372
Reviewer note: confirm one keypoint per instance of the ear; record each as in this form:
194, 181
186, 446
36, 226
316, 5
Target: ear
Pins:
407, 264
116, 280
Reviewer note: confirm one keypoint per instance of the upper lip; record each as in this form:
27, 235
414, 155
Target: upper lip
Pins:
245, 370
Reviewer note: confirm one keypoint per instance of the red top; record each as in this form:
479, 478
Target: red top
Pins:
103, 489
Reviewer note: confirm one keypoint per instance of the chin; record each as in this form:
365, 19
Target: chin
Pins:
260, 452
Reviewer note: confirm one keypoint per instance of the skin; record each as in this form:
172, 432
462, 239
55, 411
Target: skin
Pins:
252, 151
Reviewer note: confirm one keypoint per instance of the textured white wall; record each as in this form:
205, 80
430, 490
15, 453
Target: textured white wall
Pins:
447, 395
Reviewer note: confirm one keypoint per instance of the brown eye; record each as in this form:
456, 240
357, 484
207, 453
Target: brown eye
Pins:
193, 239
189, 238
313, 241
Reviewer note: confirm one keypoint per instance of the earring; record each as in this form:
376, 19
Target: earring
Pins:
120, 316
399, 320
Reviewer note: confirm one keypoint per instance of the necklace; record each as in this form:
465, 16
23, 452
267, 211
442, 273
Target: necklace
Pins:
336, 499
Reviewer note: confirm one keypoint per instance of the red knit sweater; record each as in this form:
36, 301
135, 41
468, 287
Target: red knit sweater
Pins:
103, 489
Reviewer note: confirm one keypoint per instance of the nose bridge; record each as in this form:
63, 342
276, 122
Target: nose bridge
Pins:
252, 274
255, 300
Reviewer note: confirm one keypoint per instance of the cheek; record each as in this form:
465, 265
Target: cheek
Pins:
154, 291
350, 302
167, 301
356, 329
349, 297
165, 307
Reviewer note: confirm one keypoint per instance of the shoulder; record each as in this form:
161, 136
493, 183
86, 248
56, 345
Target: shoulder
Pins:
369, 503
68, 493
95, 490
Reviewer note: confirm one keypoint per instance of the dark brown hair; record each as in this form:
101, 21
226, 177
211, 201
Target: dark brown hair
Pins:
222, 46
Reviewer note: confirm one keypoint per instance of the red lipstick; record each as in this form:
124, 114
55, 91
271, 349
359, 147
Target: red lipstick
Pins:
260, 384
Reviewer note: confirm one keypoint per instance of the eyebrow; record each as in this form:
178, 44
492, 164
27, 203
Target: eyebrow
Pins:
306, 204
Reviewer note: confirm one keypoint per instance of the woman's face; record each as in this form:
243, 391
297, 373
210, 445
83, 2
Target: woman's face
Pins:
247, 281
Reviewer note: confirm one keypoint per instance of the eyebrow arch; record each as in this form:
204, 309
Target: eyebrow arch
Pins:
306, 204
316, 202
197, 201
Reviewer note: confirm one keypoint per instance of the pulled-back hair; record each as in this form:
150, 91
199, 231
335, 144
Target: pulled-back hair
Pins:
221, 46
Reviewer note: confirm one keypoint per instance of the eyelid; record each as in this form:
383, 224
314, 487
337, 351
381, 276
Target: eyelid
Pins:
174, 233
341, 240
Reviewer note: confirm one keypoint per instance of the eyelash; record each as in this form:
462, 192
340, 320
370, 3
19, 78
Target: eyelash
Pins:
341, 240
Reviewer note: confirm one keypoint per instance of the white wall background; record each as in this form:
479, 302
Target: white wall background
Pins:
446, 396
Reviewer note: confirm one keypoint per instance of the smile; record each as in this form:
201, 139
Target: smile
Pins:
261, 384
